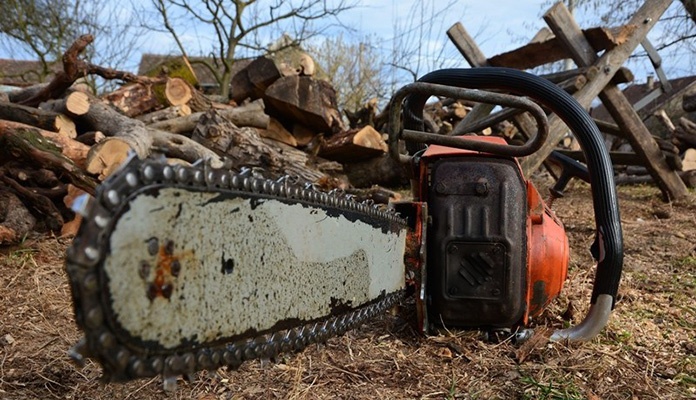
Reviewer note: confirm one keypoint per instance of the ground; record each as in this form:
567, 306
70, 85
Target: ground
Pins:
648, 351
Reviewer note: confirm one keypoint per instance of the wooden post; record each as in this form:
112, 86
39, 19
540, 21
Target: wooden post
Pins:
608, 64
473, 54
565, 28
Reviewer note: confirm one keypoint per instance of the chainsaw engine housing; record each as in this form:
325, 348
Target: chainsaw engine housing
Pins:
496, 254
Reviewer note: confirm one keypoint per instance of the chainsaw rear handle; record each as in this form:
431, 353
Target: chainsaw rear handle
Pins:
608, 245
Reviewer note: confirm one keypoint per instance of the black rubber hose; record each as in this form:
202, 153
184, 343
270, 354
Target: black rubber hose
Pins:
608, 245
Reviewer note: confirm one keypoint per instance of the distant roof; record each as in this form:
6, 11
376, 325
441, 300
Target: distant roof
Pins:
636, 92
22, 73
203, 74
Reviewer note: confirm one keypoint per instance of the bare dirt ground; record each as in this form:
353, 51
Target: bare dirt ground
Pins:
648, 351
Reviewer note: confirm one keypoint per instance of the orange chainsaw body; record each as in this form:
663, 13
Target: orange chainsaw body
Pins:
479, 273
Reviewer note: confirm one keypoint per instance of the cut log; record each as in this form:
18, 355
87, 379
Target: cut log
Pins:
305, 100
177, 91
354, 145
70, 148
689, 160
46, 120
106, 156
253, 80
15, 220
75, 69
302, 134
277, 131
243, 147
130, 134
251, 115
73, 104
165, 114
28, 144
540, 53
69, 229
134, 99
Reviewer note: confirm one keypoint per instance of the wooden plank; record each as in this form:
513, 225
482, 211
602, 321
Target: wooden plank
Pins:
607, 65
617, 157
544, 52
566, 29
466, 45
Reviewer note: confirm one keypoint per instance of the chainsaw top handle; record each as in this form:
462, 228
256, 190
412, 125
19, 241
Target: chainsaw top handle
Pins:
608, 244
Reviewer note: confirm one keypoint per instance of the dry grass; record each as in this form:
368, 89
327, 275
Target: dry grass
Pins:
648, 350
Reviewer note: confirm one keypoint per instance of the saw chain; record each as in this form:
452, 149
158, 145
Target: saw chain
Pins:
109, 279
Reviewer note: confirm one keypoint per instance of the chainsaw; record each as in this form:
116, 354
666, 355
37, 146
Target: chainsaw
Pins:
177, 269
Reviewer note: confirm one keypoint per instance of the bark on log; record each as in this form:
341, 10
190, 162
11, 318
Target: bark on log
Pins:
305, 100
243, 147
134, 99
46, 120
165, 114
127, 134
42, 207
15, 220
70, 148
251, 115
73, 104
29, 144
354, 145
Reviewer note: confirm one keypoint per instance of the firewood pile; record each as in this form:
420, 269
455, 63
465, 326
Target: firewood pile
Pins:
58, 140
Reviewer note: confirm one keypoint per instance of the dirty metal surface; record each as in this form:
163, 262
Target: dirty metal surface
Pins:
178, 269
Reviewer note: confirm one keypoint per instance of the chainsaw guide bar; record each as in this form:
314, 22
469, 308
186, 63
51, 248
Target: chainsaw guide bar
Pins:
178, 269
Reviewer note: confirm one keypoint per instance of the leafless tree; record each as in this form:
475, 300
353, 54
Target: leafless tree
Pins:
42, 30
353, 68
244, 24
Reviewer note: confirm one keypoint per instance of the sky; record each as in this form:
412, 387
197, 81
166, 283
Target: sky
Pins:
496, 25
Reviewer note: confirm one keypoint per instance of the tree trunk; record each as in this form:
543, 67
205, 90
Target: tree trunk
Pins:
243, 147
251, 115
126, 134
134, 99
73, 104
70, 148
46, 120
27, 143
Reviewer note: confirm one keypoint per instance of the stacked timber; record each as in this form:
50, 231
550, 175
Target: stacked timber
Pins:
58, 142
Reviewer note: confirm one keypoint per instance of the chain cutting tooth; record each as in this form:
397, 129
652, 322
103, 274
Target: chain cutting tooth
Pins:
79, 352
169, 383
